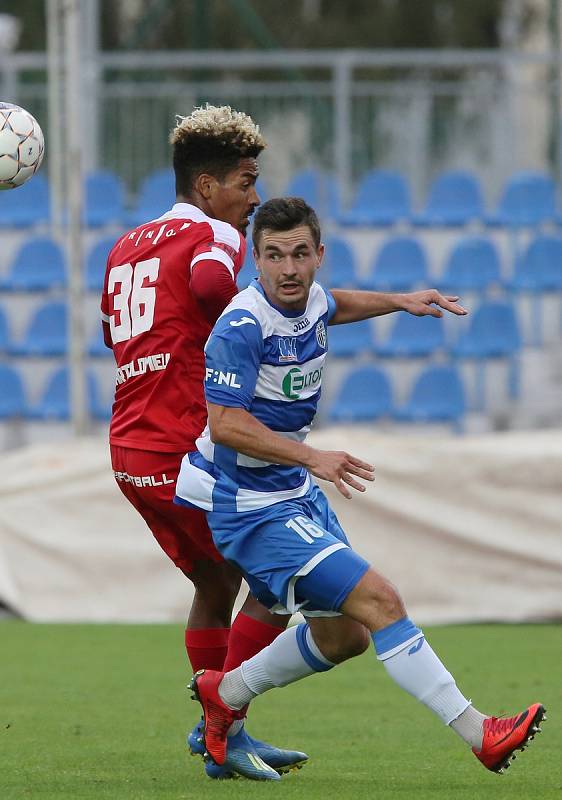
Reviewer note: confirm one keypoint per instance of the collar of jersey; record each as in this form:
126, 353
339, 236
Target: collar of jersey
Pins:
255, 284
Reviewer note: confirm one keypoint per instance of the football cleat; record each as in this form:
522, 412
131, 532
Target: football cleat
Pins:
281, 760
241, 761
504, 735
217, 716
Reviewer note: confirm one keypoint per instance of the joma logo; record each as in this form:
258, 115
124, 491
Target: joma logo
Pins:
301, 325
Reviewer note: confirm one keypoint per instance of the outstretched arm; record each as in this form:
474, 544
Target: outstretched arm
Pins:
240, 430
352, 306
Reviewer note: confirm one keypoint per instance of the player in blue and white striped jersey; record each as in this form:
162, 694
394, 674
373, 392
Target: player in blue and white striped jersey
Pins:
252, 474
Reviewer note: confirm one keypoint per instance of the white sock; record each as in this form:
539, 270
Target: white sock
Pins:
470, 726
412, 664
292, 656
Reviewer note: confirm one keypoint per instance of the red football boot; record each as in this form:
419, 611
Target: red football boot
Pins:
218, 717
504, 735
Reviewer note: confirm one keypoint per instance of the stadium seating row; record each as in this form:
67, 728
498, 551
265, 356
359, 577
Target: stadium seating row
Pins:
401, 263
493, 332
473, 264
382, 198
54, 403
365, 395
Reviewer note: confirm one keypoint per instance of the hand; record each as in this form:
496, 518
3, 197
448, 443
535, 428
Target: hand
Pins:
422, 304
338, 467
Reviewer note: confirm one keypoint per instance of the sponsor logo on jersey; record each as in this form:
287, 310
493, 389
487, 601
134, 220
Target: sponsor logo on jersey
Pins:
219, 377
301, 325
296, 380
142, 365
321, 337
287, 350
143, 480
244, 321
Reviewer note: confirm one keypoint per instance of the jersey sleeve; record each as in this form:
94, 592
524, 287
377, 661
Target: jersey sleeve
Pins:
331, 304
213, 287
216, 262
232, 359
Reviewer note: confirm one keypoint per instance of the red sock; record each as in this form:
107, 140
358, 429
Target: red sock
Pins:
206, 647
248, 637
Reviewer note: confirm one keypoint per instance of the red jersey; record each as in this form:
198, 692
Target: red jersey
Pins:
157, 319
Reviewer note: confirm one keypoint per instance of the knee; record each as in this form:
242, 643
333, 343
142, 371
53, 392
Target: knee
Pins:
218, 584
389, 601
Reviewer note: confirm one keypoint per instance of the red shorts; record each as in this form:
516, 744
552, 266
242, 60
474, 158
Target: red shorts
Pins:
148, 481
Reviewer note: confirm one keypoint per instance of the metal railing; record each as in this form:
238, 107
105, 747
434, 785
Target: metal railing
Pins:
347, 111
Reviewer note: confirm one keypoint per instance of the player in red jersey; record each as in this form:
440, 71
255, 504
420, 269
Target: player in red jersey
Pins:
166, 283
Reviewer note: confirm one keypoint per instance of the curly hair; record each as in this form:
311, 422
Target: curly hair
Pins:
212, 139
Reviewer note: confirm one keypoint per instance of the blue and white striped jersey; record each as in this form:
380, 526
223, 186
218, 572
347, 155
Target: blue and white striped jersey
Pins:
269, 362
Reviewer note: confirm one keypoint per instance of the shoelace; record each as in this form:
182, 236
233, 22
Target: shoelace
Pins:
502, 725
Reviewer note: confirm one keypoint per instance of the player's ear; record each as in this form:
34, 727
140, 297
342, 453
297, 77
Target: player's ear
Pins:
320, 253
255, 256
205, 185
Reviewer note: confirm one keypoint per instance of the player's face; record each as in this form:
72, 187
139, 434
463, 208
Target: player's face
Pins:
235, 198
287, 262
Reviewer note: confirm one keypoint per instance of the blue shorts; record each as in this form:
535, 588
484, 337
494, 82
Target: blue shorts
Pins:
294, 554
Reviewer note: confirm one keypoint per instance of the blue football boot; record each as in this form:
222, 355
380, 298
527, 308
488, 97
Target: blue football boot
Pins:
280, 760
241, 760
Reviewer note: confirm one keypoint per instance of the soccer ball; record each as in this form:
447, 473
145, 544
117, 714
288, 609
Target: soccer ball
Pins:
21, 146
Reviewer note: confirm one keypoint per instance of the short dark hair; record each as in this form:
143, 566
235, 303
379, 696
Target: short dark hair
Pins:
212, 139
284, 214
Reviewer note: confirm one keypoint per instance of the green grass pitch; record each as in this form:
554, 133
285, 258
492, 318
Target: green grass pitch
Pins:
101, 711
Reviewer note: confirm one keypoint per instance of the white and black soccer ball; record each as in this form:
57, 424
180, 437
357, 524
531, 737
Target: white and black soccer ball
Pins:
21, 146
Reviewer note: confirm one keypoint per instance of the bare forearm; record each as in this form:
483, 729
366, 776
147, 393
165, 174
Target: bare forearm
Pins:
238, 429
353, 306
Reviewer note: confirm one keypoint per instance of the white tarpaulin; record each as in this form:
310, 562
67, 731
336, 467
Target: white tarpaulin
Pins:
467, 528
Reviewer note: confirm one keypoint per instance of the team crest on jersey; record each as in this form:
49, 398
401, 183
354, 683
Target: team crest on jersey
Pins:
321, 337
287, 350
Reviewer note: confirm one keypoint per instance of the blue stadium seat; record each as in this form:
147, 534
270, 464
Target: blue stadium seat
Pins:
12, 395
104, 199
345, 341
27, 205
96, 262
338, 270
39, 264
493, 332
47, 333
319, 189
473, 265
455, 198
528, 199
538, 271
413, 337
5, 339
55, 400
156, 196
96, 345
383, 198
437, 396
364, 395
539, 268
399, 265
